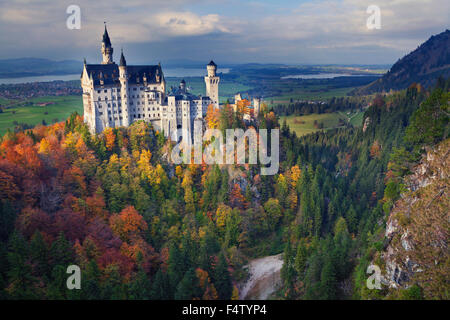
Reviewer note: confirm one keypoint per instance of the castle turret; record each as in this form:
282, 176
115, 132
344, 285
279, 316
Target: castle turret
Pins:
123, 78
183, 86
212, 84
107, 50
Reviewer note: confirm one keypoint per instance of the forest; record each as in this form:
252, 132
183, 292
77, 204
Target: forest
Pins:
140, 227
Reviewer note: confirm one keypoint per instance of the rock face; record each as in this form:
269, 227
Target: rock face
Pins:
264, 278
418, 222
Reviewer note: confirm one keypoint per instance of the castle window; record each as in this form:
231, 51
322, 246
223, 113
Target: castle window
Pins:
98, 91
100, 113
134, 89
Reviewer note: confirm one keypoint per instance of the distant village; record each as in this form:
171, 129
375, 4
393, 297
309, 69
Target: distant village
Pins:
21, 91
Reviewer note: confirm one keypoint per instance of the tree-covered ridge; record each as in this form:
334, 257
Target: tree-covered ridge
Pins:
366, 167
424, 65
142, 228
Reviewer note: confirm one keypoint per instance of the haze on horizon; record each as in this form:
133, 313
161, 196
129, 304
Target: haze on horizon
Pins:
235, 31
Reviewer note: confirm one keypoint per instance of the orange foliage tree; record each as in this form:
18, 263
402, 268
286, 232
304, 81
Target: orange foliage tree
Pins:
128, 223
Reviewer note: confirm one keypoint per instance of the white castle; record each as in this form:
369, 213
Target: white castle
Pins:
117, 95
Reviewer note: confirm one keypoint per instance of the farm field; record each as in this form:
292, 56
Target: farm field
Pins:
303, 125
30, 112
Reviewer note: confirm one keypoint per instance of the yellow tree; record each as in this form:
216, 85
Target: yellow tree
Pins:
295, 175
44, 146
110, 138
212, 117
222, 213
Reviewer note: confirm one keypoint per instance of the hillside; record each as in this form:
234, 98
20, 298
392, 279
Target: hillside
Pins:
142, 227
423, 65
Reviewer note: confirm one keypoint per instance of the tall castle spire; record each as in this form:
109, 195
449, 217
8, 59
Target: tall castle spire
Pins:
107, 50
123, 62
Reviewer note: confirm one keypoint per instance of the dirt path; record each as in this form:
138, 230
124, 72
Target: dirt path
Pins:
264, 278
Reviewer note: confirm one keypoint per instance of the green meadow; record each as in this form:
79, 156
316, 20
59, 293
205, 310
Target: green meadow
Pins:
28, 111
308, 92
303, 125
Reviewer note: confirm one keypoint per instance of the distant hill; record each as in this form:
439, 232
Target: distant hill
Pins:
424, 65
29, 67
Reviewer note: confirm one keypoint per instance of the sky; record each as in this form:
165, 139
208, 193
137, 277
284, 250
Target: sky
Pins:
233, 31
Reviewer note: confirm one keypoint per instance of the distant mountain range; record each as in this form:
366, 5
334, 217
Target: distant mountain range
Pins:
31, 67
424, 65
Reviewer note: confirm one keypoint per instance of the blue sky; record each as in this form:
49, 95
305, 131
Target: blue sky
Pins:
234, 31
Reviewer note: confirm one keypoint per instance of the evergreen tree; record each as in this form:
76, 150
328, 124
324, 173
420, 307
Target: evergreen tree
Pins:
22, 282
222, 279
188, 288
161, 287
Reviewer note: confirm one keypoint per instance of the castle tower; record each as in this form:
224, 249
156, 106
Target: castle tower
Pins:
212, 84
183, 86
123, 78
107, 50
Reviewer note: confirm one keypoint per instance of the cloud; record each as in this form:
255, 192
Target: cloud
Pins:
310, 31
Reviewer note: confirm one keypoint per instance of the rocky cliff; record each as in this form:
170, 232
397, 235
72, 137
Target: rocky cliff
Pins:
417, 229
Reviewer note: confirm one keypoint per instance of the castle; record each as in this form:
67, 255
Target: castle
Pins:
117, 95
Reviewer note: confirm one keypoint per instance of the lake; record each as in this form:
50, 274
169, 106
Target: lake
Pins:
168, 72
323, 76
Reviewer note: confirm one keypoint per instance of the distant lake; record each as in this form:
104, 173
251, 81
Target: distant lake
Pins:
168, 72
324, 76
188, 72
